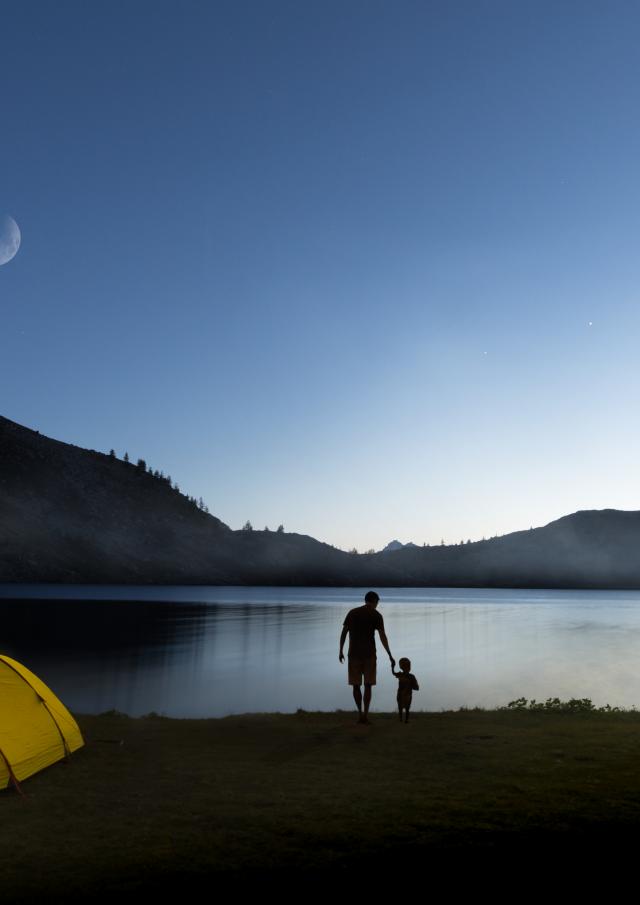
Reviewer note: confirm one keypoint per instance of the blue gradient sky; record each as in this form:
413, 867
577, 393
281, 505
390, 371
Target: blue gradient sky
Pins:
331, 264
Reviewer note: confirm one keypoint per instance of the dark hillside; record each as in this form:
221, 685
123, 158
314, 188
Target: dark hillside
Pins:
69, 514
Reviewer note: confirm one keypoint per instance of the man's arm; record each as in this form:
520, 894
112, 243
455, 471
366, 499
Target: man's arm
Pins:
385, 644
343, 637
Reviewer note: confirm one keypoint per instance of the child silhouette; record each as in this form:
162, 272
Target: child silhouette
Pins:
407, 683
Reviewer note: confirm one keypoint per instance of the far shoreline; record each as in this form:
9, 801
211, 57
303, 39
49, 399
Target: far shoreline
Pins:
9, 588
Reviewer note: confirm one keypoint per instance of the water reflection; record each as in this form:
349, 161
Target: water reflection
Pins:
211, 651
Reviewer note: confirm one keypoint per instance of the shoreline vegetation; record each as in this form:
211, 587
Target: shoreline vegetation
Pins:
151, 803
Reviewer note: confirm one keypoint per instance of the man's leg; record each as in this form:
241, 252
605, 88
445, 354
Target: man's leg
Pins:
369, 676
354, 679
367, 700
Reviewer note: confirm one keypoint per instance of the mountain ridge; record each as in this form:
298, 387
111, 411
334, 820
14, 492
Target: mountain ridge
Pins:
69, 514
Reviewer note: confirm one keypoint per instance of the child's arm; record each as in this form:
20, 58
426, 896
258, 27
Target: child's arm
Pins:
416, 687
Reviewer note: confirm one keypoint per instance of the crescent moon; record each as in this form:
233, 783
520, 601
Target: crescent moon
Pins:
9, 238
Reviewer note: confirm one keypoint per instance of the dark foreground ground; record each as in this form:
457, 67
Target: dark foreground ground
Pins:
309, 799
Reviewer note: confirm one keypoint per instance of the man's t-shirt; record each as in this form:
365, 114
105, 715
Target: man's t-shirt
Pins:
362, 624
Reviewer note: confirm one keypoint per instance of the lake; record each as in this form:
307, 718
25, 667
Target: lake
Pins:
212, 651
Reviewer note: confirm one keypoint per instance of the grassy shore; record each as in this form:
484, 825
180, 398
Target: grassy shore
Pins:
155, 803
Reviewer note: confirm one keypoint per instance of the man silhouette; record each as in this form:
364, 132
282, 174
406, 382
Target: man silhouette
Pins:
361, 624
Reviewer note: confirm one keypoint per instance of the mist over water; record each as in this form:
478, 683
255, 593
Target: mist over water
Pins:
212, 651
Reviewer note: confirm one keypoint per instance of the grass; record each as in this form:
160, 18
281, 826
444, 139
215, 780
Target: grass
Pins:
152, 803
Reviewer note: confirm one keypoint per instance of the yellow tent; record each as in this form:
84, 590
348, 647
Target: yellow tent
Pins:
36, 729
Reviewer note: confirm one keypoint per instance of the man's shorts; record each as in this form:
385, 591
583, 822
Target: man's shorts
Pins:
362, 671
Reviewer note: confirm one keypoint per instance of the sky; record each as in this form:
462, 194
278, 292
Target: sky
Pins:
368, 270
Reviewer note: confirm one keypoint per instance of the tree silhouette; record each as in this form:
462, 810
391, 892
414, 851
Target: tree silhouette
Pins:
126, 457
280, 529
247, 526
112, 453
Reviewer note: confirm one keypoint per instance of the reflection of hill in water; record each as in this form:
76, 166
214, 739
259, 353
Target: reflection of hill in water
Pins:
98, 626
132, 627
137, 656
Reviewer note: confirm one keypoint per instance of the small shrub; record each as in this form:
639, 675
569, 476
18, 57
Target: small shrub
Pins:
555, 705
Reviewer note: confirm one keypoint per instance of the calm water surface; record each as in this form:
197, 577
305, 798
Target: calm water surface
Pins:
209, 651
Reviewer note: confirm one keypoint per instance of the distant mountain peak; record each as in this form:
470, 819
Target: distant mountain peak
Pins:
396, 545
